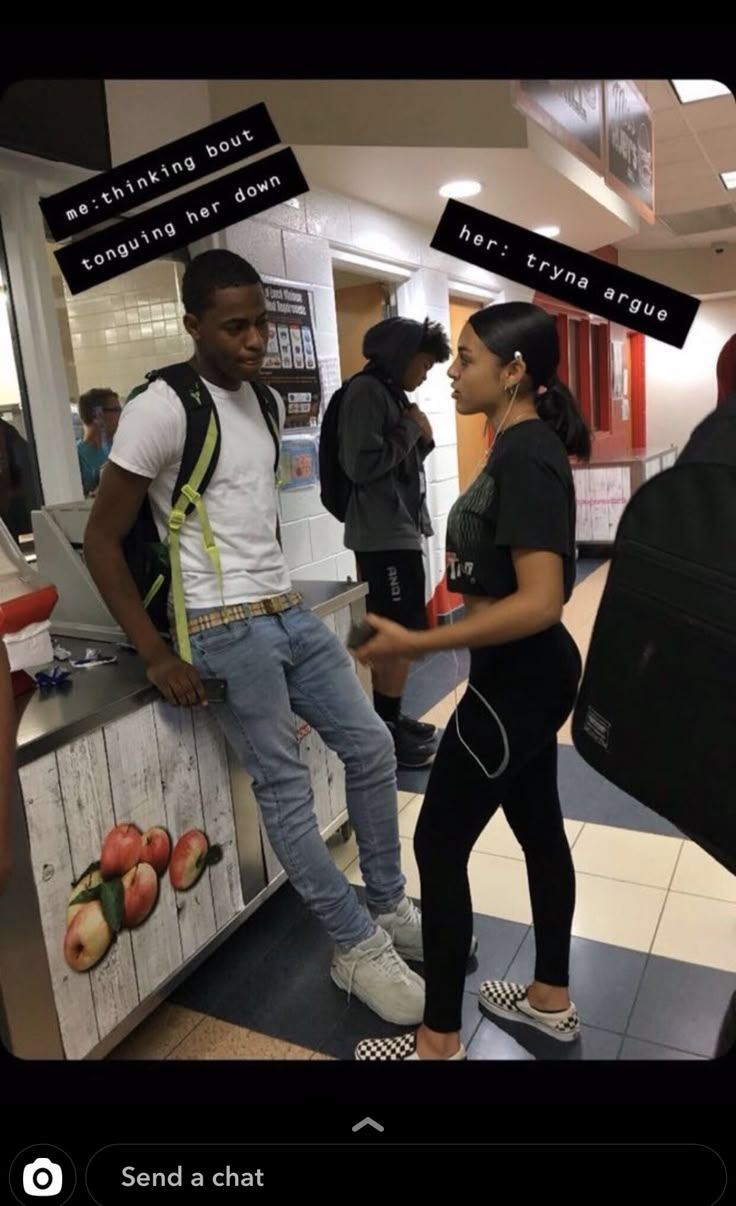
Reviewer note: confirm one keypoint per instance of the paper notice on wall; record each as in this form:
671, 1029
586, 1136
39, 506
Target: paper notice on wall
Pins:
599, 505
331, 378
584, 511
616, 498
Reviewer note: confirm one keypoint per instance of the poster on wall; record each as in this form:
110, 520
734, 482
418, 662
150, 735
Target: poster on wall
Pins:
570, 110
630, 146
300, 461
291, 357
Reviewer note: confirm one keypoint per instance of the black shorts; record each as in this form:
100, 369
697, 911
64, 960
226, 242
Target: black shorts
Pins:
396, 585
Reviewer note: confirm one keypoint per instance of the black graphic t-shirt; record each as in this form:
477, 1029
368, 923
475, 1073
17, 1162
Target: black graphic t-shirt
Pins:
523, 499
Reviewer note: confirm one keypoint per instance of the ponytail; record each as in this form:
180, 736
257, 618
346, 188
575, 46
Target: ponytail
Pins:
559, 409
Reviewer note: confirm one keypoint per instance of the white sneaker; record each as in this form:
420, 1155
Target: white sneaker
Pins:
402, 1047
499, 998
374, 973
404, 928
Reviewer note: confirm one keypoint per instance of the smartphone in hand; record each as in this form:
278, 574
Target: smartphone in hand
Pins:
359, 634
215, 689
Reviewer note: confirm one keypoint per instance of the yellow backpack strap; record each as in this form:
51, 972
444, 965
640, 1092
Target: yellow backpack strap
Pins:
198, 462
190, 496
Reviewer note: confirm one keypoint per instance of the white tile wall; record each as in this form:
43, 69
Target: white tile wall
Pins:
445, 427
319, 571
435, 291
326, 535
325, 311
346, 566
442, 495
438, 563
307, 258
261, 245
300, 504
297, 543
287, 217
328, 346
376, 232
442, 464
410, 296
328, 217
124, 328
439, 523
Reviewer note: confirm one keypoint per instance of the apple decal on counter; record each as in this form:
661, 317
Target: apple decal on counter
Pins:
192, 853
156, 849
120, 891
121, 850
88, 938
140, 893
91, 878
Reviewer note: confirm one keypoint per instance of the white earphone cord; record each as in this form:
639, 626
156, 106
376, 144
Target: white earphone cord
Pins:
504, 736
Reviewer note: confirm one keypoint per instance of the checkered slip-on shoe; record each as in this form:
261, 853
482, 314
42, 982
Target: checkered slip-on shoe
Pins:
402, 1047
500, 999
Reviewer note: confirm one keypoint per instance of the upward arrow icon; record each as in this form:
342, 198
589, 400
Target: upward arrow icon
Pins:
367, 1122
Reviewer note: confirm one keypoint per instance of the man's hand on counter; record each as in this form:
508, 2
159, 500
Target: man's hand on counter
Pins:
178, 682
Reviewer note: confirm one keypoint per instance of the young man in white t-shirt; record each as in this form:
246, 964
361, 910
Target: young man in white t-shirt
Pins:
276, 662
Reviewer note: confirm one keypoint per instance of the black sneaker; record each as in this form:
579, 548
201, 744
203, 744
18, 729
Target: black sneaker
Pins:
417, 728
411, 754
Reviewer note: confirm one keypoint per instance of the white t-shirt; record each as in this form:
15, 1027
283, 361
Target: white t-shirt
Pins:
241, 498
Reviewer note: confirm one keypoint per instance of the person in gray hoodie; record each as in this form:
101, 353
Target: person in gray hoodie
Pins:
384, 440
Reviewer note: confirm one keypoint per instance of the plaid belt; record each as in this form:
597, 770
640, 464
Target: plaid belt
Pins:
244, 611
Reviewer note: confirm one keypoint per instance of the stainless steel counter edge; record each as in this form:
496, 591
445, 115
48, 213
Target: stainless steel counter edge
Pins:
347, 594
99, 696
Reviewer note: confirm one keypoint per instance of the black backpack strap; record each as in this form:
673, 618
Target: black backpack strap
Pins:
200, 409
270, 412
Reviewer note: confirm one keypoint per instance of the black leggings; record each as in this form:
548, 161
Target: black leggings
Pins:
504, 754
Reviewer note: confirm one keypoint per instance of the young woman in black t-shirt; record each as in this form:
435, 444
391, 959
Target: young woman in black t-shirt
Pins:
511, 554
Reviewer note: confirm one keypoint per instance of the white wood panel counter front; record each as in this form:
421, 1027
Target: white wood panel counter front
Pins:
108, 753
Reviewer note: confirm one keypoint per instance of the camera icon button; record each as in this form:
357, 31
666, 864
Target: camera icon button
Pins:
42, 1173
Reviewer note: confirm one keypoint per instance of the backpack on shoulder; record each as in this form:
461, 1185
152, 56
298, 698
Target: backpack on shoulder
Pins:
335, 485
656, 712
155, 563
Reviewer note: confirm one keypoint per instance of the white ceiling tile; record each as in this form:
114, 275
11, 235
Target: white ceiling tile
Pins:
670, 123
679, 150
673, 175
720, 146
711, 114
685, 199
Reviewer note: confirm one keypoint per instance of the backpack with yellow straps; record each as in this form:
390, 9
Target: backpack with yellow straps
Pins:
155, 564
